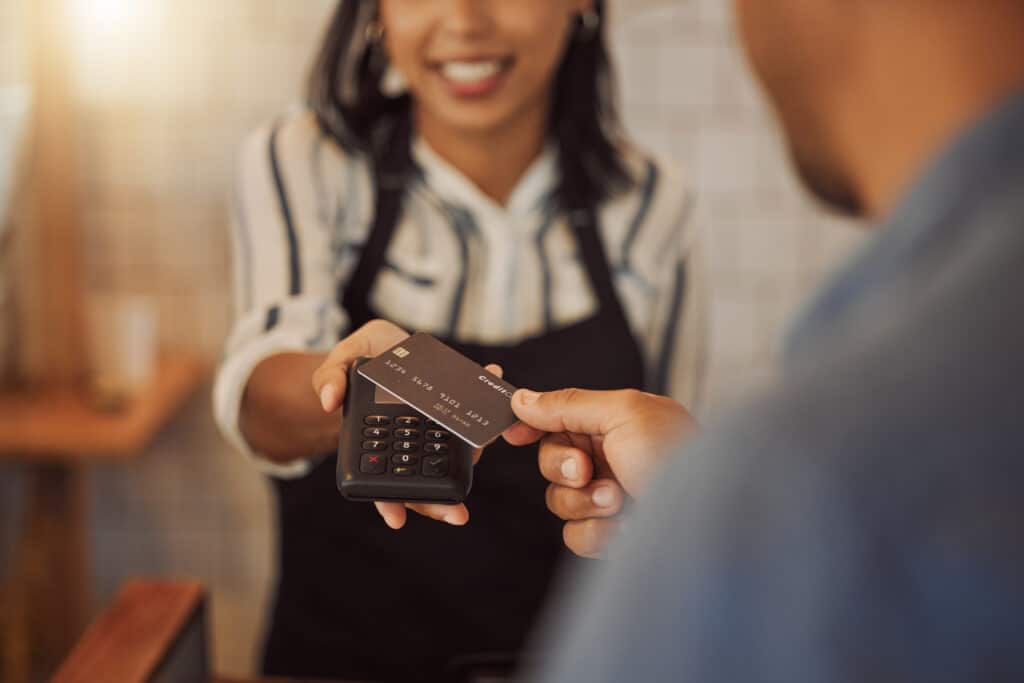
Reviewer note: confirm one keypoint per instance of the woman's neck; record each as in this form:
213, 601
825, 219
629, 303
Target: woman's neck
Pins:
494, 161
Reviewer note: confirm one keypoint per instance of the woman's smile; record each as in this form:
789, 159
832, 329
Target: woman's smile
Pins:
472, 77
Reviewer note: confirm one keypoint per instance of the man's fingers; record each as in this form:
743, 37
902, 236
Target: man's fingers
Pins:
589, 538
575, 410
563, 463
599, 498
521, 434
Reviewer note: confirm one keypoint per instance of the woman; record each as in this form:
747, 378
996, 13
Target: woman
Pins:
459, 173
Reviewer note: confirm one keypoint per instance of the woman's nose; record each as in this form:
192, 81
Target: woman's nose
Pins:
469, 17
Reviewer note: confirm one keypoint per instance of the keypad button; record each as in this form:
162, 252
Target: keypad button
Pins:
377, 420
374, 445
373, 463
406, 446
405, 458
435, 466
436, 447
407, 422
407, 434
403, 470
438, 435
375, 433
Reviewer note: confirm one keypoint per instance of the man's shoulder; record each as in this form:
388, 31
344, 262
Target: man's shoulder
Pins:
921, 392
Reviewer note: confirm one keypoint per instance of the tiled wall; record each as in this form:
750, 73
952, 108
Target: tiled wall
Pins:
162, 112
686, 89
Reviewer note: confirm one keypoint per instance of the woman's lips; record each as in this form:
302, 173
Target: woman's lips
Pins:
473, 78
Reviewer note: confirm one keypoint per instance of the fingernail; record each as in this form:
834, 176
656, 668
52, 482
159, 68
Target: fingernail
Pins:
603, 497
526, 397
327, 397
570, 470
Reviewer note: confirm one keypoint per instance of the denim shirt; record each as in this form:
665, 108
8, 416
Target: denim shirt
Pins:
862, 519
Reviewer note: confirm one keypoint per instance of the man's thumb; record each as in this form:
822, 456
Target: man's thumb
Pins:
570, 410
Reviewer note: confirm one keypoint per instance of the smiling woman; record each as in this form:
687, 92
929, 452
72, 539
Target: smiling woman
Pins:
533, 77
459, 171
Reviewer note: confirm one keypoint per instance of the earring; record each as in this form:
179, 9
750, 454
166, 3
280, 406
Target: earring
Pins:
590, 22
393, 84
374, 32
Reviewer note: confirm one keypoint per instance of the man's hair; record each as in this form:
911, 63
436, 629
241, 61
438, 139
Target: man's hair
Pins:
344, 92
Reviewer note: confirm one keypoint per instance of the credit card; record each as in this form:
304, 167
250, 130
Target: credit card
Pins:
447, 387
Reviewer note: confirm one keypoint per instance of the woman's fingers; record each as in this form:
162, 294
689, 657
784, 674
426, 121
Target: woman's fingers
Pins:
395, 515
456, 515
331, 378
330, 383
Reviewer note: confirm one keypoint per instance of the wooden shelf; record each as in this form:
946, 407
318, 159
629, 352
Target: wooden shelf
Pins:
140, 634
61, 425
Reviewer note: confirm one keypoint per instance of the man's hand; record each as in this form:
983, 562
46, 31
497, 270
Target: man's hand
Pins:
596, 447
330, 381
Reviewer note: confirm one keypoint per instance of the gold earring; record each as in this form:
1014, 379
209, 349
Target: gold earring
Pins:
374, 32
590, 23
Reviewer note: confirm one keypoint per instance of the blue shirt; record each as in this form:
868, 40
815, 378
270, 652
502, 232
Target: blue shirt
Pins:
863, 518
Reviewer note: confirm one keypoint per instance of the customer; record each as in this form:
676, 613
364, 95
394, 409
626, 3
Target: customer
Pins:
460, 172
859, 520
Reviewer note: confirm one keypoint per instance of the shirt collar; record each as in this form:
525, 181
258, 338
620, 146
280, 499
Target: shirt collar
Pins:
941, 202
452, 186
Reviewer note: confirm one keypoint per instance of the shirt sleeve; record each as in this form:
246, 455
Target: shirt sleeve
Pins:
828, 530
716, 579
284, 280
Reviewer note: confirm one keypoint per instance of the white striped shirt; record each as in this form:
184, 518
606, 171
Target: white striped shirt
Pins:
459, 265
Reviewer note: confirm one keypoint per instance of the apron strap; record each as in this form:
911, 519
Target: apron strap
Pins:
390, 178
585, 226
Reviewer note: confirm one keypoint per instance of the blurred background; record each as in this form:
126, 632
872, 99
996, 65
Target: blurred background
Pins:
157, 97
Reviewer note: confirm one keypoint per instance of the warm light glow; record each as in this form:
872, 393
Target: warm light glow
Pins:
109, 19
115, 45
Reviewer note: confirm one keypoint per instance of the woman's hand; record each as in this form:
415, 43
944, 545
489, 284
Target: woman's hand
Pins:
330, 381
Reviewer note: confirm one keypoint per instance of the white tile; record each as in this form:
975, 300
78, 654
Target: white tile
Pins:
734, 330
686, 75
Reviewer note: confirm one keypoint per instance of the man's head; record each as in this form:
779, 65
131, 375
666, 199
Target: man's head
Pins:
801, 50
868, 90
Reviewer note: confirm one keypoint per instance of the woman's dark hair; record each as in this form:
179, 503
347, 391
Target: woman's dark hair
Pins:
345, 94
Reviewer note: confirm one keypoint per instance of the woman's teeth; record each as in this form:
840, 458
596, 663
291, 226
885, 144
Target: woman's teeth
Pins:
470, 72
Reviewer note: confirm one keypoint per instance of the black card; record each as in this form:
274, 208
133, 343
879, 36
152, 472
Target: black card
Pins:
447, 387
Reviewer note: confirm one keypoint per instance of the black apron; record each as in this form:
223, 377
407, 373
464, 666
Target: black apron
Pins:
358, 601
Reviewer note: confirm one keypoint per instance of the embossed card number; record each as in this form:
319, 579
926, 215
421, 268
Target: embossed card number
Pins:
445, 386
